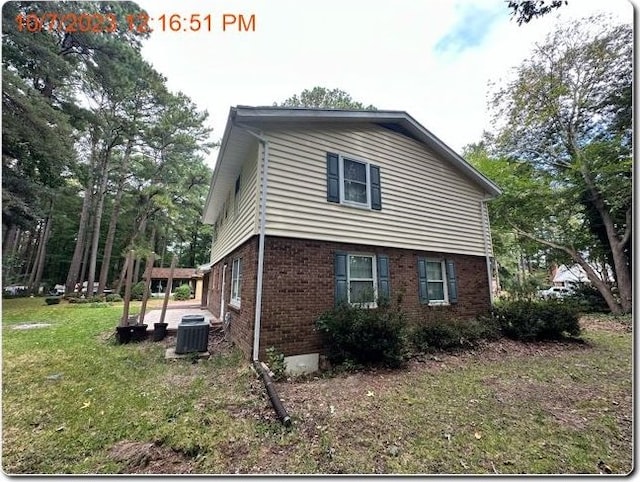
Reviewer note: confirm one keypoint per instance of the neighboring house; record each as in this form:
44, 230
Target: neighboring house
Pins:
569, 276
187, 276
312, 207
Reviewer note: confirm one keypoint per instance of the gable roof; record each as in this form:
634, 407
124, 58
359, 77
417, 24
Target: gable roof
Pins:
236, 140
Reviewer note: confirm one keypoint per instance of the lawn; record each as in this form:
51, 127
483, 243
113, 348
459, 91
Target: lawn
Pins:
74, 402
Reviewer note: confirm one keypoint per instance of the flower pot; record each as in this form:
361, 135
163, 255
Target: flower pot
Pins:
123, 334
139, 332
159, 331
126, 334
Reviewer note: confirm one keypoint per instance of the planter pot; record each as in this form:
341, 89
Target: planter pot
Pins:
139, 332
123, 334
126, 334
159, 331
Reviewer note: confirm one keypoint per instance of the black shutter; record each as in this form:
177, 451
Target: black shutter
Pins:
376, 193
384, 290
452, 281
340, 272
423, 293
333, 178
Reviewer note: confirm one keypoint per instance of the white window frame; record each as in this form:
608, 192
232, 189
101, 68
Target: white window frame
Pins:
341, 159
236, 282
374, 272
445, 281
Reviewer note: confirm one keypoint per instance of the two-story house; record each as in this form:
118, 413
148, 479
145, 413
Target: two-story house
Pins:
311, 207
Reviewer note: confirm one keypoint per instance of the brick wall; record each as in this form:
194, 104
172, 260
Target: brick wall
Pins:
299, 286
242, 318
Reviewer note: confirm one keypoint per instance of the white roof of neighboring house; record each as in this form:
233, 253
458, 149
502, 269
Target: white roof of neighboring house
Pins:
575, 274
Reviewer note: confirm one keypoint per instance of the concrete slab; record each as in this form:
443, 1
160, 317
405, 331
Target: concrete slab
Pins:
171, 354
173, 316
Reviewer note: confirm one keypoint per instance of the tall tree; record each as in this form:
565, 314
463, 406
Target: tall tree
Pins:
566, 114
323, 98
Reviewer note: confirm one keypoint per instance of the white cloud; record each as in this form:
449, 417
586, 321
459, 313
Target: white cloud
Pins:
382, 53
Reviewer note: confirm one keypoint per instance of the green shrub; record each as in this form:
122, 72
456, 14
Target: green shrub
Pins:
537, 320
78, 300
137, 291
276, 363
588, 299
52, 300
113, 297
452, 334
364, 336
182, 293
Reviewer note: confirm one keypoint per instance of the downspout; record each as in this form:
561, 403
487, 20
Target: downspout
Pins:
487, 252
261, 230
266, 378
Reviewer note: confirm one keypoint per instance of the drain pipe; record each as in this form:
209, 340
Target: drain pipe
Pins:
266, 378
261, 230
273, 395
486, 234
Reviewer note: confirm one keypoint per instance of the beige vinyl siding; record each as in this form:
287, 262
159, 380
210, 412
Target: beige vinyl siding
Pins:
426, 204
241, 225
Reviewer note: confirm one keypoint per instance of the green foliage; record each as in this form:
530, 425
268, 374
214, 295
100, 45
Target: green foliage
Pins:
525, 10
323, 98
182, 293
113, 297
137, 291
537, 320
364, 336
276, 362
443, 334
564, 140
587, 299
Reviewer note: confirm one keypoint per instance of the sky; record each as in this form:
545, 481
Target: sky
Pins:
435, 59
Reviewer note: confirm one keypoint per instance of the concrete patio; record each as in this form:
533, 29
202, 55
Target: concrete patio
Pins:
174, 315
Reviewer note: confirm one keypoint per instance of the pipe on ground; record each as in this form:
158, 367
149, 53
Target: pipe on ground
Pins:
273, 395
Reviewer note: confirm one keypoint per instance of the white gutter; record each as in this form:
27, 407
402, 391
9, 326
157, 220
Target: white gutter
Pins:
261, 231
485, 232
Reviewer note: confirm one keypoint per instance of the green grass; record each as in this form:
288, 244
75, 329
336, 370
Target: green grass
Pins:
70, 394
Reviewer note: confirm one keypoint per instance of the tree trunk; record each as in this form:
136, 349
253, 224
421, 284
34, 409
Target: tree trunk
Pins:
30, 249
43, 249
36, 262
76, 259
97, 221
113, 223
616, 244
9, 239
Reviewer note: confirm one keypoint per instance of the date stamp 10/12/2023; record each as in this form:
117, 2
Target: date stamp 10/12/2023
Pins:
141, 22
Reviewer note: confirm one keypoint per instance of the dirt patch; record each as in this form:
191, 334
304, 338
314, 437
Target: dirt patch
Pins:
558, 399
606, 323
149, 458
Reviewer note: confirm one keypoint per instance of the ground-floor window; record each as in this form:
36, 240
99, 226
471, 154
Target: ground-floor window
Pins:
236, 281
361, 278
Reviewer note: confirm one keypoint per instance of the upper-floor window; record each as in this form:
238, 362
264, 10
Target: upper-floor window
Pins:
353, 182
